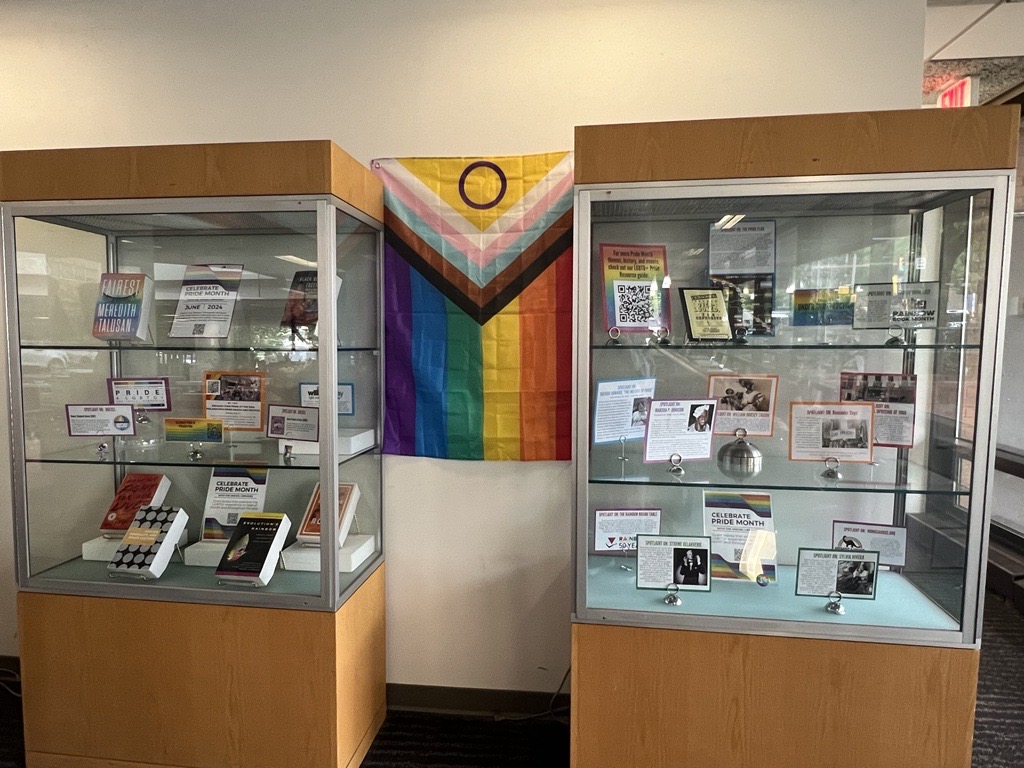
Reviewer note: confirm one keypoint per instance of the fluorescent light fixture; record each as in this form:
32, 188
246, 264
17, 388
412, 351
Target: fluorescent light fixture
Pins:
734, 221
297, 260
723, 221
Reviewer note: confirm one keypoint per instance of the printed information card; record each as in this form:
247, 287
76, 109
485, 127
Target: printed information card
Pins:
92, 420
193, 430
851, 574
742, 535
293, 422
151, 394
666, 560
683, 427
818, 431
890, 541
908, 305
621, 409
615, 530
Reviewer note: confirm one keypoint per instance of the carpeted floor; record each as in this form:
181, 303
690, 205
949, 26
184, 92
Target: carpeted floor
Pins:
419, 740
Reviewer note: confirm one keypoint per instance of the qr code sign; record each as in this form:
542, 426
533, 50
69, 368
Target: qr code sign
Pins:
232, 518
737, 554
198, 329
632, 304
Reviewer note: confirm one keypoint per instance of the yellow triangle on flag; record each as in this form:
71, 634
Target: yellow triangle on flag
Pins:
482, 185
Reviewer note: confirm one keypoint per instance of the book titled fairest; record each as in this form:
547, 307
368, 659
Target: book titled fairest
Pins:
254, 547
123, 307
137, 490
149, 542
348, 497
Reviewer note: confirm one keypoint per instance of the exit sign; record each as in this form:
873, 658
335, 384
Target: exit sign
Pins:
960, 94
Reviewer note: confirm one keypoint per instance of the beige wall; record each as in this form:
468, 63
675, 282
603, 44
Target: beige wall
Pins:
479, 563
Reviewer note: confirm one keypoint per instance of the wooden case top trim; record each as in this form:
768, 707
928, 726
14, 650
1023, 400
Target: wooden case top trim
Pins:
904, 141
190, 170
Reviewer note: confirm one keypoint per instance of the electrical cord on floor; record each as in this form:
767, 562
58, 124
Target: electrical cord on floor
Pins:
551, 711
9, 677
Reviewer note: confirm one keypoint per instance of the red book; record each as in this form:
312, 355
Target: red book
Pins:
137, 490
348, 497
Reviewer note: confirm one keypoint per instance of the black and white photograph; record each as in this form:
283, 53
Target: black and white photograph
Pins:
701, 418
744, 402
877, 387
689, 566
641, 407
855, 577
844, 433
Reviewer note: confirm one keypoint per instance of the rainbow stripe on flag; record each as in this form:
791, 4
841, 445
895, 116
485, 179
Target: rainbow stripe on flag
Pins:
478, 279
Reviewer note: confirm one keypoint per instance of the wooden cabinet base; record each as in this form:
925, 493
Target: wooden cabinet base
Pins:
111, 683
663, 698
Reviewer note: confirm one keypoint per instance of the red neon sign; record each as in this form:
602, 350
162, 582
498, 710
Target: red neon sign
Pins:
957, 95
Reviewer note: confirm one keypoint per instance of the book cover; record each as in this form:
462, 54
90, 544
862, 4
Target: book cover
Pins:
254, 547
137, 490
348, 497
300, 309
123, 307
206, 302
233, 491
149, 542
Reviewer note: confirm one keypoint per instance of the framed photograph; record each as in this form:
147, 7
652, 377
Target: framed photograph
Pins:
635, 299
890, 541
236, 398
684, 561
750, 300
683, 427
744, 402
151, 394
309, 396
615, 530
707, 315
908, 305
621, 409
101, 419
818, 431
894, 396
851, 573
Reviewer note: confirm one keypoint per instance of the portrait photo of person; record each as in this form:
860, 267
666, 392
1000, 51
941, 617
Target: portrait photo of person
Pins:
701, 416
689, 566
855, 577
641, 407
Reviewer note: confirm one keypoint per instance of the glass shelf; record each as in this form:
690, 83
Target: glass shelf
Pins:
262, 452
776, 346
779, 473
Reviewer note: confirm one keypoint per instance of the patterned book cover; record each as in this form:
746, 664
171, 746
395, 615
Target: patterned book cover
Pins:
256, 543
123, 307
137, 490
149, 542
348, 497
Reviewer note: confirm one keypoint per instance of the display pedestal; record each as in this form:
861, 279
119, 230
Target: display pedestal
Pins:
356, 550
349, 441
206, 553
664, 698
266, 688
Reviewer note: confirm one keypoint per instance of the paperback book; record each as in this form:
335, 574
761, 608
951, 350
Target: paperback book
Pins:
348, 497
137, 490
124, 307
301, 307
149, 542
254, 548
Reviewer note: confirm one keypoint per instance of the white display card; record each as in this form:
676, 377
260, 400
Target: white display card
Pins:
95, 420
683, 427
742, 533
615, 530
621, 409
309, 395
818, 431
851, 573
894, 396
890, 541
746, 248
293, 422
680, 560
908, 305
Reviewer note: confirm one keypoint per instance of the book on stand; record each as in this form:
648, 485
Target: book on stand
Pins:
137, 490
254, 548
123, 307
309, 531
149, 542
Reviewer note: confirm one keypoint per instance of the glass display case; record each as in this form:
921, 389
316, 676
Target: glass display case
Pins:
249, 308
786, 403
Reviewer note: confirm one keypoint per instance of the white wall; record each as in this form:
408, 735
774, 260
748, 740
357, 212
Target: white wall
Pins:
479, 576
999, 33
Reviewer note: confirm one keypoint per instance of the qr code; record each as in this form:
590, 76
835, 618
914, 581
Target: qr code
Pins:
632, 304
198, 329
232, 518
213, 387
737, 554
